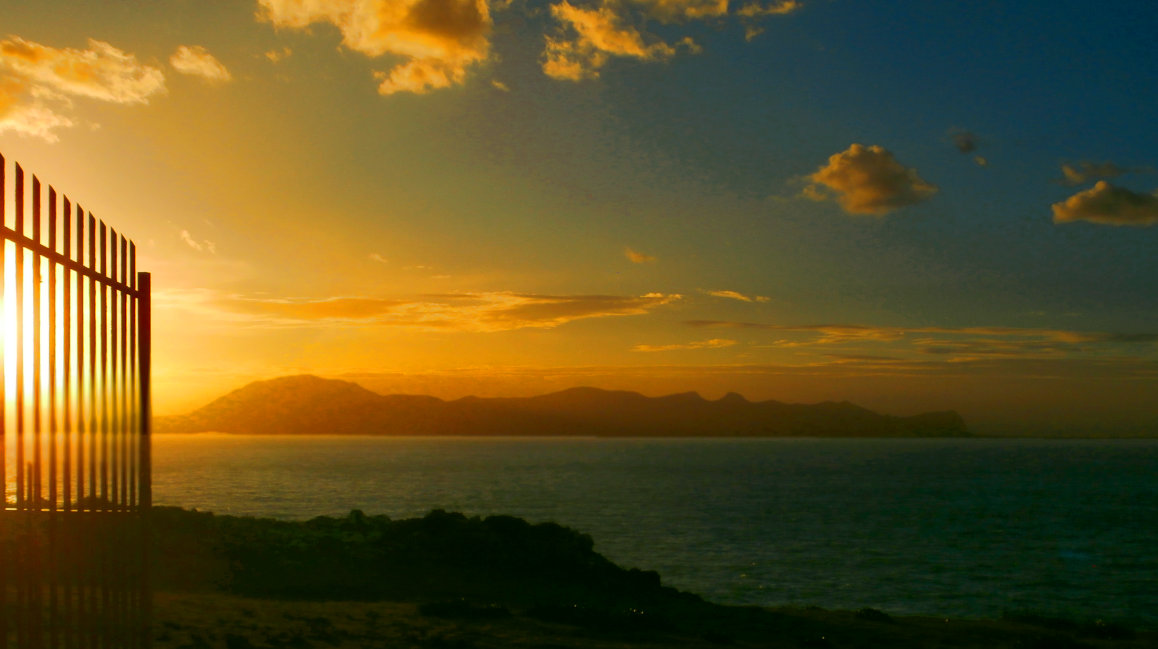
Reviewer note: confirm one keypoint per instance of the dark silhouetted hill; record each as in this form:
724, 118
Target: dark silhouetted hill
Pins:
312, 405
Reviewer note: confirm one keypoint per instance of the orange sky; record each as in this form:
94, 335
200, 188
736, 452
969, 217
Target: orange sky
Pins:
911, 208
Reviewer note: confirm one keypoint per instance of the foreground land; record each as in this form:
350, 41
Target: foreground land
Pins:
446, 580
200, 620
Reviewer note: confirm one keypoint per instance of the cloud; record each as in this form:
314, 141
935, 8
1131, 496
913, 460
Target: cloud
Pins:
965, 141
1082, 172
197, 61
277, 56
733, 295
588, 38
378, 258
199, 246
674, 10
419, 76
499, 85
781, 8
437, 40
1108, 205
473, 312
714, 343
638, 257
38, 83
868, 180
962, 342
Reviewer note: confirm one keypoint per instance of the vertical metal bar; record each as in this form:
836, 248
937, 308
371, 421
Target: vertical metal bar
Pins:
54, 626
142, 595
145, 352
19, 268
144, 348
5, 560
134, 377
81, 350
66, 360
3, 388
93, 313
69, 613
52, 359
37, 355
124, 391
111, 392
104, 368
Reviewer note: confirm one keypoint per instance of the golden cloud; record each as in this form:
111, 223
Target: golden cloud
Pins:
38, 83
1108, 205
196, 61
714, 343
101, 72
868, 180
781, 8
590, 37
277, 56
474, 312
419, 76
638, 257
734, 295
199, 246
964, 342
673, 10
1082, 172
439, 39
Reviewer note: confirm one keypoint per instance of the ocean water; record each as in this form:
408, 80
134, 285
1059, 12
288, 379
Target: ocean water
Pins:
967, 528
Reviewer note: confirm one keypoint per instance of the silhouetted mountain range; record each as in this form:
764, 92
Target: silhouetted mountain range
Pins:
312, 405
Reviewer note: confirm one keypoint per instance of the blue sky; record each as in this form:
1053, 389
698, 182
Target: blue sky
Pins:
910, 205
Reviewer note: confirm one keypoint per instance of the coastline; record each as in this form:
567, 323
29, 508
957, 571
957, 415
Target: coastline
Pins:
446, 580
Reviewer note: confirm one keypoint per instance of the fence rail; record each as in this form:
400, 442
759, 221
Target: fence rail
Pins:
74, 424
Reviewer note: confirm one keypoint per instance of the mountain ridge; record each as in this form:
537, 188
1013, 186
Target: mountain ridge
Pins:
307, 404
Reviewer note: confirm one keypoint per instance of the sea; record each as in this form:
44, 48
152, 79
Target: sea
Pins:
975, 528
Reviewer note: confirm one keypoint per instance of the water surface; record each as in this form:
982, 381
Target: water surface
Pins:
956, 527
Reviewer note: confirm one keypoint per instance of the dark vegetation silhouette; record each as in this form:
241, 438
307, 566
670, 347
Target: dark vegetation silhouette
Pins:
501, 581
312, 405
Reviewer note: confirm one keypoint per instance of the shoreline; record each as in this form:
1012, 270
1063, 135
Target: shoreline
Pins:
446, 580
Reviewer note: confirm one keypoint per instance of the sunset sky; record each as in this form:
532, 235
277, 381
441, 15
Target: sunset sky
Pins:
910, 205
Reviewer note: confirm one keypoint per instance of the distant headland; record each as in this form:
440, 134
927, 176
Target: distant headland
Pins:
305, 404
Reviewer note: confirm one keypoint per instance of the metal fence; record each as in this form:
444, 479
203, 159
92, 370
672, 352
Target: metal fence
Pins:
74, 425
